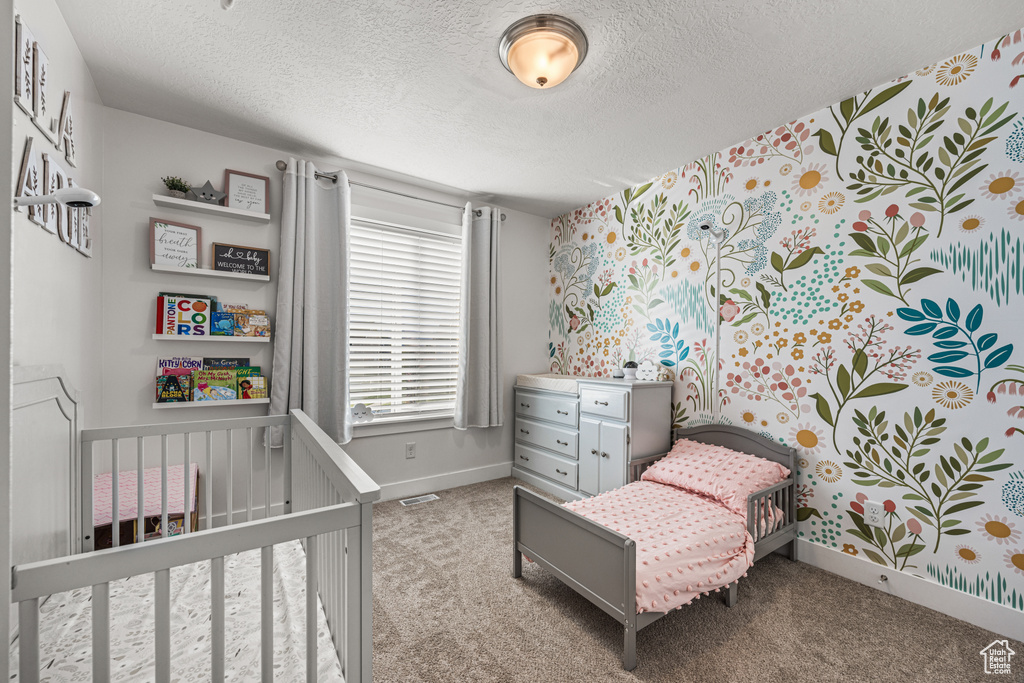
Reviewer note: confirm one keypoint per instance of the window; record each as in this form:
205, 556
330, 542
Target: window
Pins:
405, 284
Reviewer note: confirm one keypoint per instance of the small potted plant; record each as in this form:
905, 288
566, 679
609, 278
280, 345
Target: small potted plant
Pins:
176, 187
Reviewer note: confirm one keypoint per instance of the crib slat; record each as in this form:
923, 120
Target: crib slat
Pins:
266, 476
162, 619
311, 609
231, 477
186, 522
101, 632
88, 533
267, 613
248, 492
217, 619
28, 640
163, 486
140, 467
209, 480
288, 493
115, 502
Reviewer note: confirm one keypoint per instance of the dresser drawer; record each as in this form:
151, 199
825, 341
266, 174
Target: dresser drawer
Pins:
605, 402
551, 466
553, 438
551, 408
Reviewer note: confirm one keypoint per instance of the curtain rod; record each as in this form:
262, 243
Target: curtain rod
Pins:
333, 177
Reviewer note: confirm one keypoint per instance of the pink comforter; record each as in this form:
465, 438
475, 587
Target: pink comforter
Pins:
685, 544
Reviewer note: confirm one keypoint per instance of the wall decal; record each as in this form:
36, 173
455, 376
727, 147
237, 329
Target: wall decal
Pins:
24, 81
896, 376
55, 179
66, 129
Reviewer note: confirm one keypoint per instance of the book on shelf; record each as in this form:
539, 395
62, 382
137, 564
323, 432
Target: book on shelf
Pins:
189, 363
233, 308
252, 324
217, 384
222, 324
252, 386
173, 388
183, 316
211, 363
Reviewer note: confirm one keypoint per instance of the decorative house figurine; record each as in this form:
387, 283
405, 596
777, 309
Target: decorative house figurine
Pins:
207, 194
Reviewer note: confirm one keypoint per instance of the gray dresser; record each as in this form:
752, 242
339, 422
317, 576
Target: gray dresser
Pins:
578, 444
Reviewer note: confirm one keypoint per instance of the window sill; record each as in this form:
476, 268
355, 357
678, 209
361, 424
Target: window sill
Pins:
402, 426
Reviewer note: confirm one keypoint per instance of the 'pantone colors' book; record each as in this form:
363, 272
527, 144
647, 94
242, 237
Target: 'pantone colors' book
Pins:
182, 316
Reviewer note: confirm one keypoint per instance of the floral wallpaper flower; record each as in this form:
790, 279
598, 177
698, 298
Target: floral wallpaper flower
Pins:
870, 304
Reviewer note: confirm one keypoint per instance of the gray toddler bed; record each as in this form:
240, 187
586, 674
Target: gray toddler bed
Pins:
600, 564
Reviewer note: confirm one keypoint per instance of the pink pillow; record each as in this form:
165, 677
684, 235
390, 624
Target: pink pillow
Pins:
716, 472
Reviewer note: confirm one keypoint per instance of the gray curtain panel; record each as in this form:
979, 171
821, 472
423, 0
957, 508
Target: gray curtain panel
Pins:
311, 362
479, 388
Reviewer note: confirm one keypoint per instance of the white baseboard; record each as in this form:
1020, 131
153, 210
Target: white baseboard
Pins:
417, 487
978, 611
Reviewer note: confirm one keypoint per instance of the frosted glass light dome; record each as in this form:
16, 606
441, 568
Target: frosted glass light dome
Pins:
542, 50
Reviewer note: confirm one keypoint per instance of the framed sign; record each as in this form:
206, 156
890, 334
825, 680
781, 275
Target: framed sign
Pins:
174, 244
246, 191
237, 259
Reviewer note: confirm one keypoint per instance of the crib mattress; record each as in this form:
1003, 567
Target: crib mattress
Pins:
152, 486
686, 544
66, 631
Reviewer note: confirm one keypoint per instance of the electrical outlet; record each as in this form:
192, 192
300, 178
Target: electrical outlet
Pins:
874, 513
410, 450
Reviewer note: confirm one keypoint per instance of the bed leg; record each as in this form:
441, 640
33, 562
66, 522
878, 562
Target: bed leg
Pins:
517, 557
629, 648
730, 594
793, 551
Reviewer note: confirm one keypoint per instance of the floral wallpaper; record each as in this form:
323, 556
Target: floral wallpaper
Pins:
870, 306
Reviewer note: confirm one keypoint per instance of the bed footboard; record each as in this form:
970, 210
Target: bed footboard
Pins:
771, 519
596, 562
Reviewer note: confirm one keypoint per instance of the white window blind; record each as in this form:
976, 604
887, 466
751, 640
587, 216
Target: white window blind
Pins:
404, 343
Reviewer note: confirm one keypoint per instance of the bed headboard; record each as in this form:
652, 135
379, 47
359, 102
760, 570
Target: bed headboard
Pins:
742, 440
45, 466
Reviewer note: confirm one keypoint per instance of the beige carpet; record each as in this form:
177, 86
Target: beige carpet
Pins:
445, 608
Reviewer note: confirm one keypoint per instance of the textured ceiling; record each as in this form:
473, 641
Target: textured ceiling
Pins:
416, 87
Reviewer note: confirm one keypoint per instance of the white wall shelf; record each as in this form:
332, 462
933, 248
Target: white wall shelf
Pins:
206, 272
208, 338
212, 404
213, 209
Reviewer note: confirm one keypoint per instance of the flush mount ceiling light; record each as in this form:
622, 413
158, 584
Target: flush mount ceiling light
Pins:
542, 50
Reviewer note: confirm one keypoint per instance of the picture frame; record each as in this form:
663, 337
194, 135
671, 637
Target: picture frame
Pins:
237, 258
173, 244
246, 191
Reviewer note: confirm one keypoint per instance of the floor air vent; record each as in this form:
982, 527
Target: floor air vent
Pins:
419, 499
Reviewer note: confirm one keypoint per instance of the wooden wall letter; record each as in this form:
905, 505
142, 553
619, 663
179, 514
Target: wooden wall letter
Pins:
24, 70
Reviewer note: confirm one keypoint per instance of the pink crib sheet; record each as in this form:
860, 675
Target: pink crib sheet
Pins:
128, 496
685, 544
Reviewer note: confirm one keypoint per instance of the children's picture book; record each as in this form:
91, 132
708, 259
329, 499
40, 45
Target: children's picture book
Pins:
247, 371
223, 324
252, 324
211, 363
218, 384
189, 363
253, 386
233, 308
172, 388
183, 316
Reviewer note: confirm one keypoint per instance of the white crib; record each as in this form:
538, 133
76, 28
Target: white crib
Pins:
322, 498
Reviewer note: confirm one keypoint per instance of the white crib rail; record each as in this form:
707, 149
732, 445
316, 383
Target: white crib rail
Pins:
30, 582
326, 501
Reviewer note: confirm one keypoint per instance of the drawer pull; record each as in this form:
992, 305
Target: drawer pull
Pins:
561, 412
561, 443
524, 431
593, 451
524, 405
604, 455
561, 472
600, 403
523, 457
